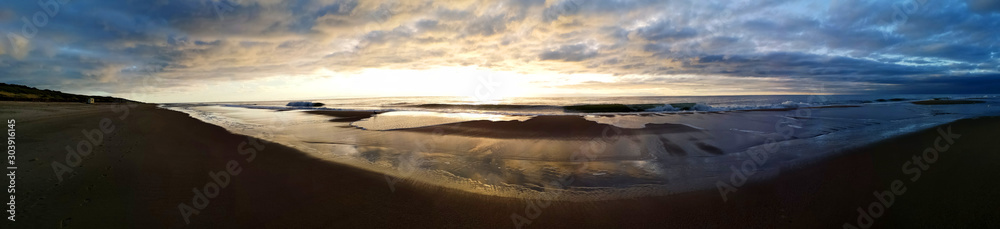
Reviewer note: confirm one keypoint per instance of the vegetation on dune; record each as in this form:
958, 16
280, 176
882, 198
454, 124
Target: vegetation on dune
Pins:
14, 92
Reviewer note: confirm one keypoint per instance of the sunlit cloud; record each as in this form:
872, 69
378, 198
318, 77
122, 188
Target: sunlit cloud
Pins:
204, 50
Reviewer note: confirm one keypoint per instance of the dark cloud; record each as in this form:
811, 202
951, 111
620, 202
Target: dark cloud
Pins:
666, 31
984, 6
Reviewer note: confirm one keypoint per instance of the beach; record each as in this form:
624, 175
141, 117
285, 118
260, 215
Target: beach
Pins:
143, 170
501, 114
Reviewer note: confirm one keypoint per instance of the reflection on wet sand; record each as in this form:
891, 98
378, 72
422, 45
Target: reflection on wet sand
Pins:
345, 116
605, 156
549, 127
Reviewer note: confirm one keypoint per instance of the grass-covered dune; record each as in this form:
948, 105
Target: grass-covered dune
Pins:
14, 92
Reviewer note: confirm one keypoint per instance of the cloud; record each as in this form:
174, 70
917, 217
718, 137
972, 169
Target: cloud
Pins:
104, 74
762, 44
984, 6
20, 47
666, 31
577, 52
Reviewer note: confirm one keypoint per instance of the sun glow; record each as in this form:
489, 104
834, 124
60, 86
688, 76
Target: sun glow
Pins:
475, 84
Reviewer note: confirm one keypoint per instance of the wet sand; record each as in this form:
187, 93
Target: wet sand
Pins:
946, 102
149, 164
546, 127
345, 116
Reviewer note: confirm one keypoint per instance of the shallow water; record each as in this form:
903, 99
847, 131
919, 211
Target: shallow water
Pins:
412, 119
630, 154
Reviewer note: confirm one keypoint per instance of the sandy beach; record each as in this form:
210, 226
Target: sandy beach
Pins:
146, 167
501, 114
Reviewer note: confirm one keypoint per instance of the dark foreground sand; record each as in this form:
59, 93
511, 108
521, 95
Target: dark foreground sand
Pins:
152, 160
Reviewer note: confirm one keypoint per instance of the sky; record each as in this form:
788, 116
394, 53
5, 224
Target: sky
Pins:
246, 50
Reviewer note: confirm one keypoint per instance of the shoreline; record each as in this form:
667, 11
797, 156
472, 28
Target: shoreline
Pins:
169, 152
